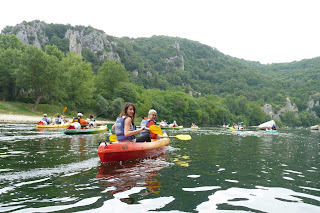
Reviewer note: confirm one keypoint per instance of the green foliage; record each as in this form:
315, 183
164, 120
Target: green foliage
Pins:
109, 77
78, 81
289, 119
9, 62
61, 43
11, 42
34, 71
316, 109
54, 51
307, 119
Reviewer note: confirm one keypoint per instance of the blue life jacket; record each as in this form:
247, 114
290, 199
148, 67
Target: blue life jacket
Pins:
145, 122
119, 129
58, 121
45, 119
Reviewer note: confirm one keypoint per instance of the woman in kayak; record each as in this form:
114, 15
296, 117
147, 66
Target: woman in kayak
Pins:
147, 135
124, 126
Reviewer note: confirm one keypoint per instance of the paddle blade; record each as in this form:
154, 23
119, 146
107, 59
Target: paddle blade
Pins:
156, 129
65, 109
109, 127
183, 137
113, 138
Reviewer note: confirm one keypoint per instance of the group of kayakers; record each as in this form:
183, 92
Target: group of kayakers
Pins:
59, 120
124, 126
164, 123
77, 122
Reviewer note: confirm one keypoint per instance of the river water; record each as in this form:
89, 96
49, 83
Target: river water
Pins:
217, 171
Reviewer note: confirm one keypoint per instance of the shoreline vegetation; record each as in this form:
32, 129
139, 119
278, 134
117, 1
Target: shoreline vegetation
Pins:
13, 118
17, 112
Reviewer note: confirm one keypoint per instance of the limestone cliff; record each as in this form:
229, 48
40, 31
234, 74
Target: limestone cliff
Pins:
34, 33
268, 110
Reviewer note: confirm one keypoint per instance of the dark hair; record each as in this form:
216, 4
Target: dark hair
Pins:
91, 116
125, 109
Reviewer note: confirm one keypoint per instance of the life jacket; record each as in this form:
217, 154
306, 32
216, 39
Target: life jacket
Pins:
76, 119
58, 120
145, 123
119, 129
46, 121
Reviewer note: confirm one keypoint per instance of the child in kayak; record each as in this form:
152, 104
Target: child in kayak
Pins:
92, 122
124, 126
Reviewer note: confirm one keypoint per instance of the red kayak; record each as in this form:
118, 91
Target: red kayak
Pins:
122, 151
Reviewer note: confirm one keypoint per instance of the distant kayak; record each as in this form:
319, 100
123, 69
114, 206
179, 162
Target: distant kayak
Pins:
270, 130
236, 129
54, 125
176, 127
194, 127
86, 131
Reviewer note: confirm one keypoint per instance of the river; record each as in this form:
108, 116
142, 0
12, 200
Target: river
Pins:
217, 171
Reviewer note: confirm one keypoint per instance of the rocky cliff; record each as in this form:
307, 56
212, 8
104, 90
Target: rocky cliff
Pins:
36, 33
268, 109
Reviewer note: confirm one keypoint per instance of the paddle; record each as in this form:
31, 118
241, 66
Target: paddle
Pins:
180, 137
157, 130
64, 109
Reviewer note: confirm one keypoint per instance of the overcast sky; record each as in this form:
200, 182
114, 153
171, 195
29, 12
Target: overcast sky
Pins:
268, 31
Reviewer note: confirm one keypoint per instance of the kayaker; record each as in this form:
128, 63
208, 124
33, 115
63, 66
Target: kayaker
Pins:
92, 122
45, 119
146, 135
274, 127
59, 120
64, 119
83, 123
193, 124
124, 126
174, 124
163, 123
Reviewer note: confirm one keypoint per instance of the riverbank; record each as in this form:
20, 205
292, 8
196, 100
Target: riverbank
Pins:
8, 118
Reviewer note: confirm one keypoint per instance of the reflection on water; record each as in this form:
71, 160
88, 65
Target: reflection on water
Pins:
217, 171
263, 199
126, 175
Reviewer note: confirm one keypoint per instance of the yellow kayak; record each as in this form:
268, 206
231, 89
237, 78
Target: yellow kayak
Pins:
54, 125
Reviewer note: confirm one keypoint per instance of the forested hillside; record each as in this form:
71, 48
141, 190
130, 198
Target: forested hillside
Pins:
183, 80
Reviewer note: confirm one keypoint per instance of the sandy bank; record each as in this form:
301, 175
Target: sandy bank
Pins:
8, 118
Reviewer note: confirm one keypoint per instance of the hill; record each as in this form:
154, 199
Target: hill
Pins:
172, 63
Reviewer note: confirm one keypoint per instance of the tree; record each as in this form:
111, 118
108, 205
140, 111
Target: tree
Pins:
289, 119
11, 42
9, 62
38, 74
53, 50
79, 81
109, 76
126, 91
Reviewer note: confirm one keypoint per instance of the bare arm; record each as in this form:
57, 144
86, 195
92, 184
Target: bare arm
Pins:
127, 131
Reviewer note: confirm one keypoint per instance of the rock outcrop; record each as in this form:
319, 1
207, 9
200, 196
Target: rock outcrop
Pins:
178, 62
268, 110
33, 33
